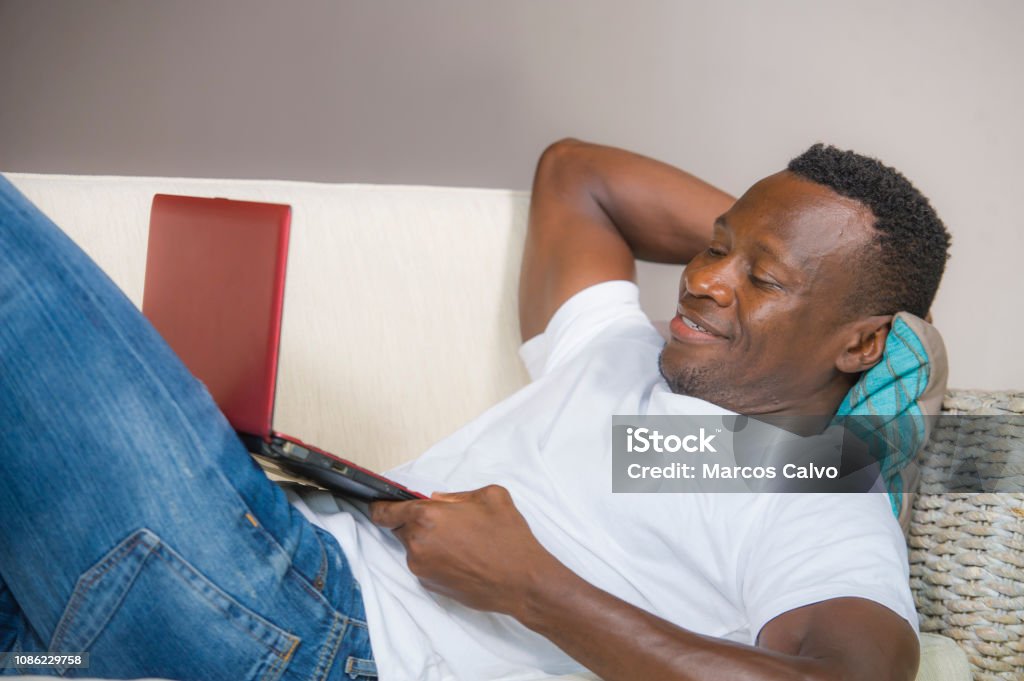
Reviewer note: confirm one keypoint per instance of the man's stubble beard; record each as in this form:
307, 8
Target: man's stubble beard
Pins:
719, 385
698, 382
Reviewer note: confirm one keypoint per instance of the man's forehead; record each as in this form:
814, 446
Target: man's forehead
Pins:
799, 216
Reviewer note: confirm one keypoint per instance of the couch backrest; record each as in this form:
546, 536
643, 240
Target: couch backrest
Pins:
400, 305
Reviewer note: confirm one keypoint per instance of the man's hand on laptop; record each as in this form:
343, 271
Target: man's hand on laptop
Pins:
474, 547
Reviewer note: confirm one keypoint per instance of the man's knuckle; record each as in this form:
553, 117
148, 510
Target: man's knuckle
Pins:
429, 516
495, 491
496, 494
412, 512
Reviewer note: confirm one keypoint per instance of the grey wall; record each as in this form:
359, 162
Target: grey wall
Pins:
469, 93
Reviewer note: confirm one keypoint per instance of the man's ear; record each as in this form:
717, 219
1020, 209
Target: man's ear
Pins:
865, 344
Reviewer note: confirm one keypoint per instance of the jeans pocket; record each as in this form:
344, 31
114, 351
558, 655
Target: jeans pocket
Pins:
143, 610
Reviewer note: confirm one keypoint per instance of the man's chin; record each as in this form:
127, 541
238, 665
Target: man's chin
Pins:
684, 378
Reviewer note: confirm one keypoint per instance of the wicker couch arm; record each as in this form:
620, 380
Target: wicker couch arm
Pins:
967, 548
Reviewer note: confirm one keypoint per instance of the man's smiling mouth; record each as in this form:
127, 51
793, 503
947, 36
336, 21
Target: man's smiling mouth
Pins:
688, 330
695, 326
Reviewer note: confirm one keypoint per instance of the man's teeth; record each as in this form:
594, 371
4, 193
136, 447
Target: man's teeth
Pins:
695, 326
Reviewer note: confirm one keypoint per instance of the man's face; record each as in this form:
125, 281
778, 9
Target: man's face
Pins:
770, 292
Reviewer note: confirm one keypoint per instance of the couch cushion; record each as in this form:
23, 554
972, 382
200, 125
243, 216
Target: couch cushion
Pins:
942, 660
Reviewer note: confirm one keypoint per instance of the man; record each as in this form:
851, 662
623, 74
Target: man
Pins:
547, 569
786, 299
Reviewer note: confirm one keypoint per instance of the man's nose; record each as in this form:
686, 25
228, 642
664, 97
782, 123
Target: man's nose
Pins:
710, 280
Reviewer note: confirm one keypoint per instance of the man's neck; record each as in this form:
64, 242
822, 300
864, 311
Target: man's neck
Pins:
808, 415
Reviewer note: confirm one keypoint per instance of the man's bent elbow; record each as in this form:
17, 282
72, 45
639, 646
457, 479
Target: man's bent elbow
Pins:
561, 162
559, 149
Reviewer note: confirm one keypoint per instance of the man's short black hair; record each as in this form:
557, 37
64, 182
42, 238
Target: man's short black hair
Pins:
901, 268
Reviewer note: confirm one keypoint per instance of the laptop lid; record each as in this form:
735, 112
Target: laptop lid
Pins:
214, 289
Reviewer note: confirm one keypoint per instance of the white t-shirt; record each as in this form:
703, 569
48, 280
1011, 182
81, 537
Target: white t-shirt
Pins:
717, 564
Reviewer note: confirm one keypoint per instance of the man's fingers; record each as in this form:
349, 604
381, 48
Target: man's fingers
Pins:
390, 515
480, 493
450, 496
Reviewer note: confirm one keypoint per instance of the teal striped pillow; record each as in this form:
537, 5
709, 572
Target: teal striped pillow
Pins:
892, 399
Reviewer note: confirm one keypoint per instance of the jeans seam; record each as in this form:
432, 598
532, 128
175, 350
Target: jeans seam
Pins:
278, 663
306, 586
17, 649
325, 661
110, 561
321, 574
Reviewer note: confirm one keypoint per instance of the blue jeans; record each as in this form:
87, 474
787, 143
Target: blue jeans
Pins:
133, 524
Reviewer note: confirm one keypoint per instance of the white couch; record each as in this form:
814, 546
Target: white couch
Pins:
400, 307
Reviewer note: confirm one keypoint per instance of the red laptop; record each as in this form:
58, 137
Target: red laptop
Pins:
215, 273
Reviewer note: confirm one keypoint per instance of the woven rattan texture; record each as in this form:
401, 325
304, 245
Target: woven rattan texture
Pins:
967, 549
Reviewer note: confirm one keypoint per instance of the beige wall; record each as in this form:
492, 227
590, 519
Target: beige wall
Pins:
469, 92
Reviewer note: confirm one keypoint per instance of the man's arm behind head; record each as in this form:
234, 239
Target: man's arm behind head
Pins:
594, 209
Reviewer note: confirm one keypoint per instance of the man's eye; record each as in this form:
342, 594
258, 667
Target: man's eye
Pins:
716, 251
764, 283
